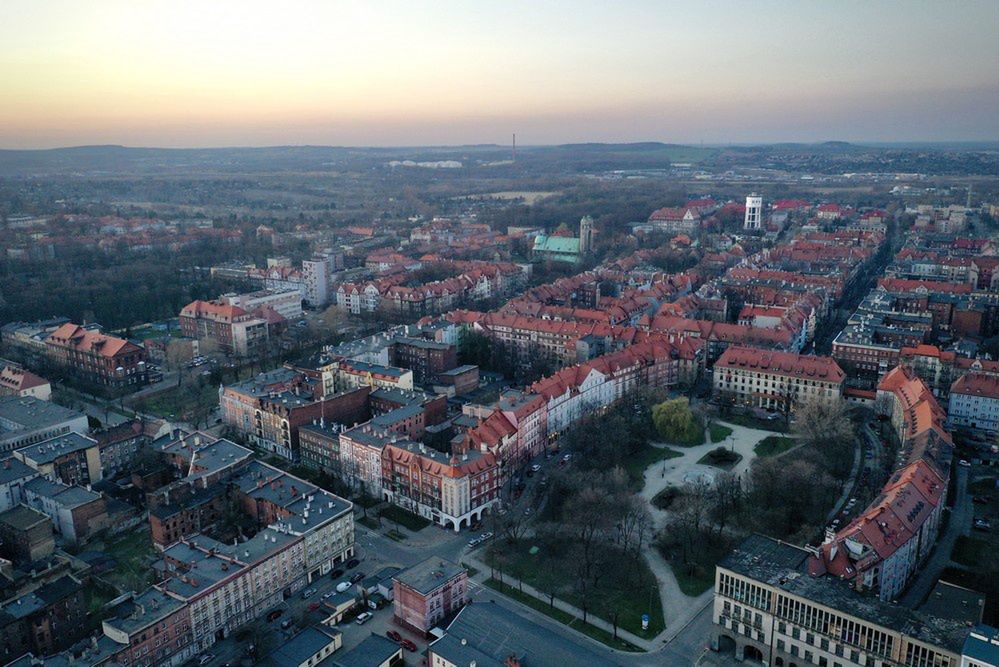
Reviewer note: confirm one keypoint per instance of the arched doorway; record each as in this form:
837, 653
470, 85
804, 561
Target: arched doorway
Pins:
726, 644
778, 662
752, 653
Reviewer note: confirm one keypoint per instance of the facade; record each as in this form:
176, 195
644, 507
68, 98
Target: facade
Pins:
316, 279
754, 212
974, 404
153, 629
70, 459
16, 381
13, 476
46, 620
76, 512
286, 303
25, 535
775, 380
119, 446
771, 606
429, 592
231, 327
97, 358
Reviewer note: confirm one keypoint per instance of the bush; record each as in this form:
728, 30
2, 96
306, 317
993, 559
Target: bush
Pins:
677, 423
721, 457
718, 432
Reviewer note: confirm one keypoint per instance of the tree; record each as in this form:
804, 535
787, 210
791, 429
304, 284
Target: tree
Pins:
676, 422
826, 426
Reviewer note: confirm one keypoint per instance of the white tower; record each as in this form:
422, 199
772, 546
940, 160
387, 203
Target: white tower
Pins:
754, 212
585, 235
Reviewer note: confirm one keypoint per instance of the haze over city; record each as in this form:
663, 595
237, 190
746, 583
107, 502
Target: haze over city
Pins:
398, 73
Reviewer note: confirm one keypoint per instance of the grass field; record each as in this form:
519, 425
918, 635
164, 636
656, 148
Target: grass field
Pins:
970, 551
176, 402
626, 590
562, 617
718, 432
720, 457
772, 445
404, 518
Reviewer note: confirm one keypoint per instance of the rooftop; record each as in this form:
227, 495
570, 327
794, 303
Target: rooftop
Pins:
374, 651
302, 646
429, 574
49, 450
29, 413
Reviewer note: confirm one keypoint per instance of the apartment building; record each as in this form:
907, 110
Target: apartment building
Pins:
286, 303
97, 358
429, 592
16, 381
27, 420
974, 404
316, 281
152, 628
231, 327
70, 459
775, 381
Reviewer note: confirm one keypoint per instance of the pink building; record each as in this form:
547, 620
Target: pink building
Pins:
428, 593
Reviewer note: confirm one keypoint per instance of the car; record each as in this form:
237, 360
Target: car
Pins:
336, 574
408, 645
536, 467
474, 542
308, 593
983, 524
352, 563
485, 536
364, 617
327, 595
964, 463
394, 636
286, 623
527, 511
205, 659
343, 586
356, 577
980, 500
274, 615
313, 606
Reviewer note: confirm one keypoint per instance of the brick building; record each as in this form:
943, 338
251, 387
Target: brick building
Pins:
775, 380
428, 593
97, 358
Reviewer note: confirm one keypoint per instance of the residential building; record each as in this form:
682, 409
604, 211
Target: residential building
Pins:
974, 404
13, 476
775, 381
16, 381
286, 303
316, 281
981, 648
151, 628
684, 220
46, 620
25, 535
119, 446
428, 593
231, 327
373, 651
754, 213
76, 512
307, 648
70, 459
28, 420
97, 358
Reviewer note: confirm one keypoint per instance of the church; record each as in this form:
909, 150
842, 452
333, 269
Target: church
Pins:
560, 248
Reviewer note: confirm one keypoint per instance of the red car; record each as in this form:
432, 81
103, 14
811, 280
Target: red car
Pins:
394, 636
314, 606
408, 645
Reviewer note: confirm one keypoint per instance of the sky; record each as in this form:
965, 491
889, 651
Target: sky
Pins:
181, 73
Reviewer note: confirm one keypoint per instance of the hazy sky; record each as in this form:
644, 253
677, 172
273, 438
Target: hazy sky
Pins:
218, 73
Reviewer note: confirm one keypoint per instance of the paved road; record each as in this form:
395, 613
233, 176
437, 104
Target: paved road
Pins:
958, 524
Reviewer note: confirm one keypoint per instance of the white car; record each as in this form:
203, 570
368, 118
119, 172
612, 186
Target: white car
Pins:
343, 586
474, 542
364, 617
964, 462
536, 467
205, 659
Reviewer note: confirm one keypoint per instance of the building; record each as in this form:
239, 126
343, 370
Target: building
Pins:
16, 381
46, 620
286, 303
316, 280
428, 593
231, 327
974, 404
981, 648
119, 445
70, 459
685, 220
373, 651
775, 381
13, 476
151, 628
771, 605
563, 248
306, 648
27, 420
76, 512
25, 535
487, 635
97, 358
754, 212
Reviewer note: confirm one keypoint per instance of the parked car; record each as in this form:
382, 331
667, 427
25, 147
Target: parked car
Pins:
274, 615
313, 606
474, 542
536, 467
308, 593
286, 623
394, 636
352, 563
983, 524
205, 659
964, 462
336, 574
485, 536
408, 645
343, 586
981, 500
356, 577
364, 617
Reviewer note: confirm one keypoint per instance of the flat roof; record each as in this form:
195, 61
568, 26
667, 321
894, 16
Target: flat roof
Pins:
374, 651
489, 634
49, 450
23, 517
29, 413
302, 646
429, 574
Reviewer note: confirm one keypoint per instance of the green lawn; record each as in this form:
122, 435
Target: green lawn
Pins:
178, 401
749, 421
694, 583
404, 518
772, 445
647, 456
718, 432
134, 552
970, 551
562, 617
370, 522
628, 590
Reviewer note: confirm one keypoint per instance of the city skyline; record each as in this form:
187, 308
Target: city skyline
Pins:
180, 75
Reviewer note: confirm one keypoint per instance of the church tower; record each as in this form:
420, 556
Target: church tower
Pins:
585, 235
